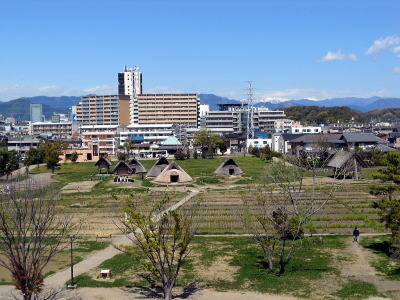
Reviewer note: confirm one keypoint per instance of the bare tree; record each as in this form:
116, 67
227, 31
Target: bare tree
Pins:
276, 214
31, 232
161, 240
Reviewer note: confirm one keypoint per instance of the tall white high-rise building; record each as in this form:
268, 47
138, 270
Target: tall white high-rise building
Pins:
130, 83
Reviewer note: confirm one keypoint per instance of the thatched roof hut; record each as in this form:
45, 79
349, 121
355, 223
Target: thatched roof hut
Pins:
173, 173
103, 164
228, 167
136, 166
346, 162
158, 167
122, 168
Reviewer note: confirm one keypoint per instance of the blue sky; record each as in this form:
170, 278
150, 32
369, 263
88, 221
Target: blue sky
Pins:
290, 49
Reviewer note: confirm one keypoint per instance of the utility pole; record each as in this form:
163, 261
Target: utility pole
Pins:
72, 285
250, 122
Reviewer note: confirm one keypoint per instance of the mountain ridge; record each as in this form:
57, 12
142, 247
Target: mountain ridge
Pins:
19, 108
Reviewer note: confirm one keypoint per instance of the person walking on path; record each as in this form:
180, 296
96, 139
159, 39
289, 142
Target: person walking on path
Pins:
356, 233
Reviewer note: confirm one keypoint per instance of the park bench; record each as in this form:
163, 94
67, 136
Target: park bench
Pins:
103, 236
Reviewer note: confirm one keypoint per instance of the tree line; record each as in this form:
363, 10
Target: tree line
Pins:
315, 115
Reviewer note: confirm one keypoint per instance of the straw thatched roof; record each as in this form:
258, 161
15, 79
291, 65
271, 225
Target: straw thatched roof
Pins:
173, 173
122, 168
341, 158
136, 166
103, 163
228, 167
158, 167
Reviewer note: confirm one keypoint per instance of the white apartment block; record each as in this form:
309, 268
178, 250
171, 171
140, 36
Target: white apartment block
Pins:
55, 129
305, 129
146, 133
130, 84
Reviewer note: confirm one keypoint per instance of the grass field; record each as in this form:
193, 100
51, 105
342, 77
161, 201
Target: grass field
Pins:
220, 212
82, 248
383, 263
236, 263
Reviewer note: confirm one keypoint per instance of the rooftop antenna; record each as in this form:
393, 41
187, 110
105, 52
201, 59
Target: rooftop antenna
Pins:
250, 123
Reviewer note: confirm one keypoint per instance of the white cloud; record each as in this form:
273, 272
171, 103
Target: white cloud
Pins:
339, 55
396, 50
101, 89
396, 69
382, 44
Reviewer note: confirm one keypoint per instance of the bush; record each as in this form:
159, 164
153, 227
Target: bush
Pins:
179, 155
122, 156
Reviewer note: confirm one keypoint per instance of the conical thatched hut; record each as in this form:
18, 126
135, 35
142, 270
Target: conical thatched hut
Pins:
228, 167
136, 166
122, 168
347, 163
158, 167
173, 173
103, 164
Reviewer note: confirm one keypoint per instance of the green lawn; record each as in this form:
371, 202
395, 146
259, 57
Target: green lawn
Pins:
383, 263
243, 268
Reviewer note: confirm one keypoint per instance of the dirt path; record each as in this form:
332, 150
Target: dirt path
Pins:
361, 269
98, 257
126, 294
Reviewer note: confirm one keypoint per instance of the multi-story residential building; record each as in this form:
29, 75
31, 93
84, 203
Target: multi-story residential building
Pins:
224, 121
22, 144
181, 109
55, 129
264, 120
101, 139
233, 118
305, 129
149, 133
36, 112
104, 110
130, 84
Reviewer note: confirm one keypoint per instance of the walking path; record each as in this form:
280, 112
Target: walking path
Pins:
361, 269
96, 258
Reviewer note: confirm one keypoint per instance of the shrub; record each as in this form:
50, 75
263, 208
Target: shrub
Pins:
179, 155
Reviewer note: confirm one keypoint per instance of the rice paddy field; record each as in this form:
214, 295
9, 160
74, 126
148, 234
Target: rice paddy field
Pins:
221, 205
220, 212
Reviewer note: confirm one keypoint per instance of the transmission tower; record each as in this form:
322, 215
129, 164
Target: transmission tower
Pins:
250, 119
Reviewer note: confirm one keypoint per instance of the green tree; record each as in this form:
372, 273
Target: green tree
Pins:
122, 156
52, 151
74, 156
9, 161
161, 240
389, 206
179, 155
209, 143
201, 138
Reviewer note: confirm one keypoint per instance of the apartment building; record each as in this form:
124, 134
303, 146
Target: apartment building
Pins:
224, 122
101, 139
104, 110
264, 120
55, 129
177, 109
149, 133
233, 118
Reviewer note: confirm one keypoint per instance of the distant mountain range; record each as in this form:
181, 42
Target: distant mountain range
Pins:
19, 108
360, 104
